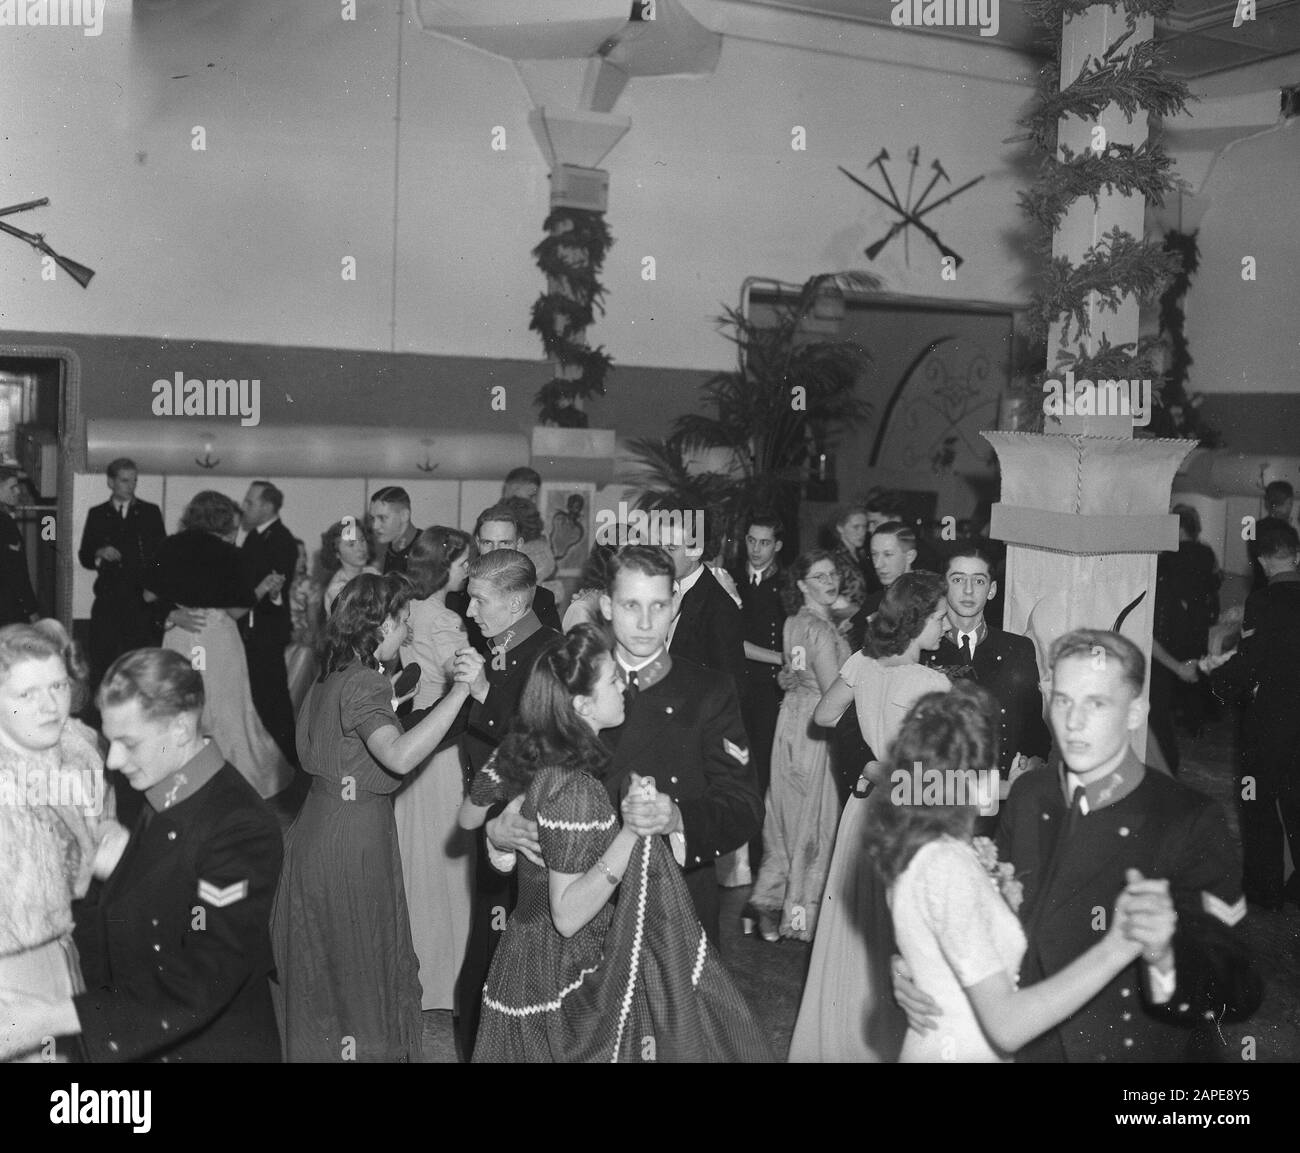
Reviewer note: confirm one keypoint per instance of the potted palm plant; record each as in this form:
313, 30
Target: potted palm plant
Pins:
788, 398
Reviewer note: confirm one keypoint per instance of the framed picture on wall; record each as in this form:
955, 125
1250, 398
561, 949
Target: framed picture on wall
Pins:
567, 520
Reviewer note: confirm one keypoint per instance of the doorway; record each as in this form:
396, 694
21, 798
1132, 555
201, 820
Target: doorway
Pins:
38, 392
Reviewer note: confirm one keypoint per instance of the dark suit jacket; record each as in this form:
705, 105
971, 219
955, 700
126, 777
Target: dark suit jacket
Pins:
159, 987
135, 536
686, 732
488, 720
1167, 831
543, 607
17, 599
1267, 665
1006, 665
264, 553
709, 629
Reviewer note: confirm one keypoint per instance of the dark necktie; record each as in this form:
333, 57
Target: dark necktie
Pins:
629, 693
966, 655
1076, 806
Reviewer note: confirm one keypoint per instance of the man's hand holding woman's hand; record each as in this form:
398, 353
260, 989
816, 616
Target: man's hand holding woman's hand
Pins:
1146, 917
269, 585
470, 669
647, 812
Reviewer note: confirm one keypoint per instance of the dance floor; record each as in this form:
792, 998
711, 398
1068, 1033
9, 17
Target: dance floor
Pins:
771, 976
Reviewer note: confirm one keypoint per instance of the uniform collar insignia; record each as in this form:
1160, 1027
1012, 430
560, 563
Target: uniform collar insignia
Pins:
517, 633
653, 671
950, 631
187, 780
1110, 789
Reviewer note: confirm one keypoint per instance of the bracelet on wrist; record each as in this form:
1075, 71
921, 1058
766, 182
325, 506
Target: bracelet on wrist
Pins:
604, 868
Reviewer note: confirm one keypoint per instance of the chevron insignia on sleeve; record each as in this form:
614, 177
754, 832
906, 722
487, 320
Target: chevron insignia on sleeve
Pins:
735, 751
219, 898
1217, 907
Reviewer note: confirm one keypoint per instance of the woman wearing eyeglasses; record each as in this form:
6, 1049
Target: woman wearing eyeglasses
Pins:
802, 805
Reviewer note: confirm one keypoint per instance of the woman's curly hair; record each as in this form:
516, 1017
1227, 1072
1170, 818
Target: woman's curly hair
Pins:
906, 606
433, 552
353, 631
39, 641
330, 560
952, 732
547, 731
212, 512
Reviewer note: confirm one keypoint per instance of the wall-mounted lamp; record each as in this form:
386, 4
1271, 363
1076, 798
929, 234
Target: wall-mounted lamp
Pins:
427, 466
207, 461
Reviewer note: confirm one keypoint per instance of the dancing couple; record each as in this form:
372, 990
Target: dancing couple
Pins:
605, 957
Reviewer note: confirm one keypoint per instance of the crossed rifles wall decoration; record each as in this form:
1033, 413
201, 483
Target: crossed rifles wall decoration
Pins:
910, 213
79, 272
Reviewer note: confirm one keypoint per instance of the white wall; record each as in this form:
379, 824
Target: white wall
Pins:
1243, 165
304, 166
311, 505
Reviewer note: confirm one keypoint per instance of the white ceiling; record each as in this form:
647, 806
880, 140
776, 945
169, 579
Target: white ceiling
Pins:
1199, 33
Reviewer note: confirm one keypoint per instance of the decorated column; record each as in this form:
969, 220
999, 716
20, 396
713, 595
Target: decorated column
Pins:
1085, 503
575, 57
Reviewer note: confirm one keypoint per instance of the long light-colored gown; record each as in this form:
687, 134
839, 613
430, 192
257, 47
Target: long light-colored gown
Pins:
229, 716
802, 804
954, 930
847, 1013
201, 571
437, 855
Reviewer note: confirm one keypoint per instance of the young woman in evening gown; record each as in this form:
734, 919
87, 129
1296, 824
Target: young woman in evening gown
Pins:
580, 976
437, 854
199, 575
958, 933
307, 615
847, 1012
347, 979
347, 549
802, 806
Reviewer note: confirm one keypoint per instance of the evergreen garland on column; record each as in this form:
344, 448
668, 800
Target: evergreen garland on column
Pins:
571, 258
1179, 411
1120, 265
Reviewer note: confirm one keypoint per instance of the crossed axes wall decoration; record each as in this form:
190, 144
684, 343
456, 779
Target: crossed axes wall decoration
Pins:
910, 213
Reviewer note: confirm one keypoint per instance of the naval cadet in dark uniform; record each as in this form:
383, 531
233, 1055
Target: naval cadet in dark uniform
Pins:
501, 586
1002, 662
759, 582
499, 527
1077, 837
176, 953
682, 728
